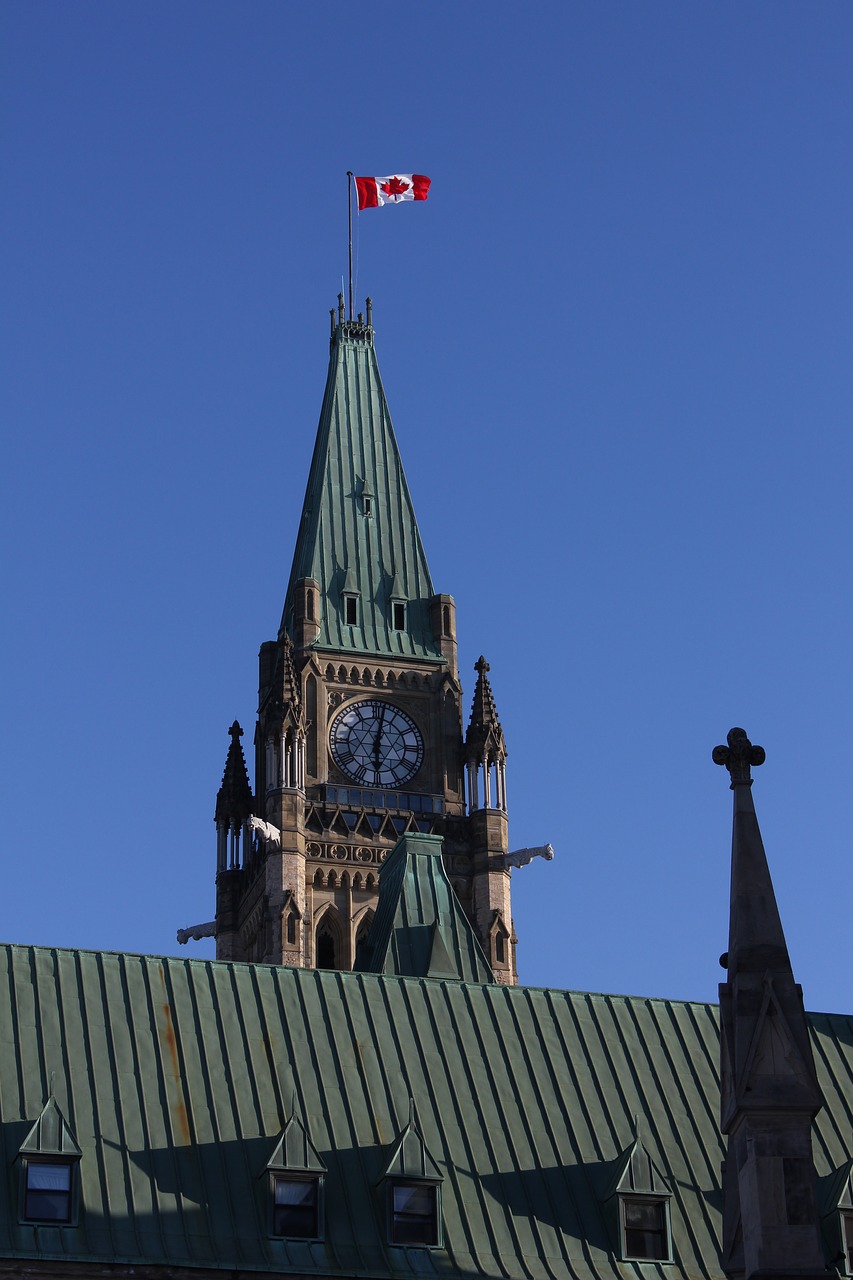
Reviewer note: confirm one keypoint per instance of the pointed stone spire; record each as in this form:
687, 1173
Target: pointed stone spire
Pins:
484, 739
234, 799
291, 692
770, 1093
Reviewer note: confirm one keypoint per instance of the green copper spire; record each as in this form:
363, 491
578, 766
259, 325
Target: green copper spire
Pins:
358, 538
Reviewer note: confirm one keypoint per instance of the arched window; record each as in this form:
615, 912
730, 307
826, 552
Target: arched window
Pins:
500, 948
291, 928
445, 620
309, 600
327, 951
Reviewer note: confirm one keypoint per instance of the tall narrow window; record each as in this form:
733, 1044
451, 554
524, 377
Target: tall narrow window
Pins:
398, 616
309, 601
445, 620
500, 948
291, 928
351, 610
327, 947
368, 506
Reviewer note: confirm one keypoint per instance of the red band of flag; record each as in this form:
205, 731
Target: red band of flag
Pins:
395, 189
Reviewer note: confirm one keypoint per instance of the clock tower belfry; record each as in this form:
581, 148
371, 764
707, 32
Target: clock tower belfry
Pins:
359, 735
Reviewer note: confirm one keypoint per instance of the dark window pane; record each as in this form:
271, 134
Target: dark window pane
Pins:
645, 1229
48, 1192
414, 1213
295, 1204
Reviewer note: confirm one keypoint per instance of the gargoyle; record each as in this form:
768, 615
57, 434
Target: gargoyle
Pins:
521, 857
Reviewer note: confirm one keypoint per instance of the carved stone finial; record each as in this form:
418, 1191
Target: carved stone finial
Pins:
738, 756
481, 665
236, 731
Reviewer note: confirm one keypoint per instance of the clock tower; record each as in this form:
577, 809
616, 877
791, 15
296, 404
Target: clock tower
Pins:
359, 735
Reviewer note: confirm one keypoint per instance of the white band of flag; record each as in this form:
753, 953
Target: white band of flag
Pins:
395, 189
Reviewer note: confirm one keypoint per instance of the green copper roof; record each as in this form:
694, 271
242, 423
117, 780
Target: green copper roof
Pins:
420, 929
178, 1077
358, 534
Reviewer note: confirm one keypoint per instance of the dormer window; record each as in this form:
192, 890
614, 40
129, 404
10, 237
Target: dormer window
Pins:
351, 609
48, 1186
398, 616
295, 1175
296, 1206
413, 1212
645, 1229
413, 1181
368, 505
49, 1158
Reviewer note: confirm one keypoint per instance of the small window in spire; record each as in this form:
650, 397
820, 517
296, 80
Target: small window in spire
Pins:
398, 616
309, 602
351, 609
368, 505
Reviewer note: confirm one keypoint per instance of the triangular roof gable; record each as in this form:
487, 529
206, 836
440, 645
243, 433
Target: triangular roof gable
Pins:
51, 1135
420, 929
410, 1157
294, 1151
774, 1055
635, 1172
380, 557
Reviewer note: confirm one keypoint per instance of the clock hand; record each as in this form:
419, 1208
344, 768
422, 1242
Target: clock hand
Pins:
377, 745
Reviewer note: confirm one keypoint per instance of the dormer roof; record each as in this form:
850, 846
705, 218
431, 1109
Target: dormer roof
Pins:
420, 929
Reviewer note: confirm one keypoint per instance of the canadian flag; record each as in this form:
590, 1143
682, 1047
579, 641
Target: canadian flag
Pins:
373, 192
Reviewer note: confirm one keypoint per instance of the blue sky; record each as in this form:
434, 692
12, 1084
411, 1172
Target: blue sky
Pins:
615, 343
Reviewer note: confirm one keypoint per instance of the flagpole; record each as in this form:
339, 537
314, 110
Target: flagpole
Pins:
349, 211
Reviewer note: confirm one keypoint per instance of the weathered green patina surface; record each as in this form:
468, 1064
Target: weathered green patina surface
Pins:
358, 534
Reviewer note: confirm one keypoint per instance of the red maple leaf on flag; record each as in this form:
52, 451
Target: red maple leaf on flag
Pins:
394, 188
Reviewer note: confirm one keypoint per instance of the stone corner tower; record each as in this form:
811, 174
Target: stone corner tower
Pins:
359, 734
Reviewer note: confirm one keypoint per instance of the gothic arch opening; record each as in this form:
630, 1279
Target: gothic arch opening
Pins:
328, 942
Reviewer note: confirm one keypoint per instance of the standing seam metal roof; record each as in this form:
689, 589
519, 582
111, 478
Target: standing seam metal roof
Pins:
177, 1076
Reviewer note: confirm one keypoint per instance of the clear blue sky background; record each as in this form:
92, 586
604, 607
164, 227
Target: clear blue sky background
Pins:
616, 346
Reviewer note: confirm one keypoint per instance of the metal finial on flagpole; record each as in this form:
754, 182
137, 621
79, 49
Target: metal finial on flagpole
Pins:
349, 212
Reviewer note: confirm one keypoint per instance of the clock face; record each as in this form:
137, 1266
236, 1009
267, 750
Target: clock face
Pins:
375, 744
